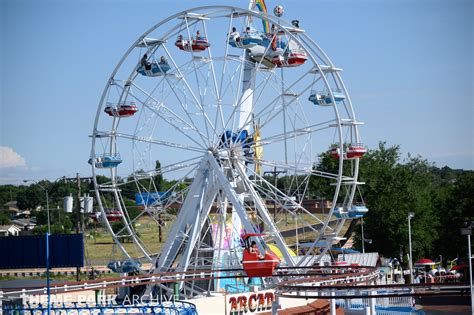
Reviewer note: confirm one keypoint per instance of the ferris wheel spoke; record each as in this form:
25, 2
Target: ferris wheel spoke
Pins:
224, 66
302, 169
169, 201
261, 86
309, 130
271, 108
170, 117
287, 204
159, 142
234, 91
206, 119
169, 168
191, 124
200, 103
214, 79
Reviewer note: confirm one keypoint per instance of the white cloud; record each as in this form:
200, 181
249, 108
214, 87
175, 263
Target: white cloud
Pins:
9, 158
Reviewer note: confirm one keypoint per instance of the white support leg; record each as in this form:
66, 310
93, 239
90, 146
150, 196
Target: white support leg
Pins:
263, 212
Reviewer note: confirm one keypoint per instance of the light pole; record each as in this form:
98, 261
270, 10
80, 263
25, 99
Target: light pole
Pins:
467, 230
363, 240
47, 199
410, 215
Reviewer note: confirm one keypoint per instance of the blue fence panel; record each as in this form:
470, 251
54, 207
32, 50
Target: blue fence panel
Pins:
29, 251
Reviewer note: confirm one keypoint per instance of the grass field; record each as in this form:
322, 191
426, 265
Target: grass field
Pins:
100, 249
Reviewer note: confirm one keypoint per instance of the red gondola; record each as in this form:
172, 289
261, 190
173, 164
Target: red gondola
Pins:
199, 44
334, 152
124, 110
256, 265
292, 60
355, 151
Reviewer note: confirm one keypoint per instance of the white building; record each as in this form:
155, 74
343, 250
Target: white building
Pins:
9, 230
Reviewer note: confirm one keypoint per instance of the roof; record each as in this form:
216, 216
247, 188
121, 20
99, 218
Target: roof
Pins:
367, 259
23, 222
8, 226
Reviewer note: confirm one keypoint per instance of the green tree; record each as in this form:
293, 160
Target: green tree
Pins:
31, 197
392, 190
4, 218
8, 193
455, 204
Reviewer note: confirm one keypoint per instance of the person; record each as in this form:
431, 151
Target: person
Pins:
163, 59
254, 250
198, 35
144, 62
235, 35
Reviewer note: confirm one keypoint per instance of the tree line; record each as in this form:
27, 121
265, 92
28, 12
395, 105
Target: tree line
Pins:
442, 199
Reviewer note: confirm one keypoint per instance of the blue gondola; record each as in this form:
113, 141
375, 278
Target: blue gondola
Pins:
340, 213
156, 69
354, 212
106, 161
249, 38
127, 266
324, 98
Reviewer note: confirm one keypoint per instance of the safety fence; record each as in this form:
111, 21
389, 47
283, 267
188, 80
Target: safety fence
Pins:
164, 308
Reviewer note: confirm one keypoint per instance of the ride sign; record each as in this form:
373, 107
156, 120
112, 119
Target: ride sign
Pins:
251, 302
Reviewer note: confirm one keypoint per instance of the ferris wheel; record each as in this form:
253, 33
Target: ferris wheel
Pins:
234, 108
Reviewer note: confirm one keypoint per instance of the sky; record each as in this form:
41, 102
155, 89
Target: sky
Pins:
408, 66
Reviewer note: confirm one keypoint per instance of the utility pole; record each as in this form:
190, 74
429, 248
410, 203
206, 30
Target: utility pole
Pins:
275, 174
363, 240
160, 222
467, 230
78, 218
79, 223
78, 205
410, 216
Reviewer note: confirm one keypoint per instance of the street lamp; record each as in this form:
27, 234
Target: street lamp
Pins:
467, 230
410, 215
47, 199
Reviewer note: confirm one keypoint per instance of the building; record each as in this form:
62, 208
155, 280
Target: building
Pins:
25, 224
9, 230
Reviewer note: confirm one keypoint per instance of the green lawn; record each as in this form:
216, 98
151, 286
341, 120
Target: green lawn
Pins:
99, 244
